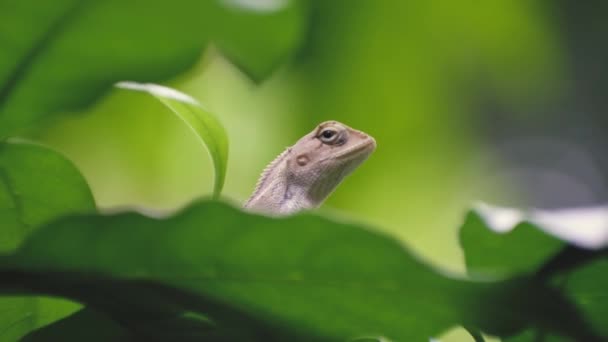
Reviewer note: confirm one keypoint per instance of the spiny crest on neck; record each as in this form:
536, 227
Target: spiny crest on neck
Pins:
264, 177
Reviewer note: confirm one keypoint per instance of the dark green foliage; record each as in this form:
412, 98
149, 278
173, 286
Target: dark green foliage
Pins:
581, 275
62, 55
84, 325
299, 278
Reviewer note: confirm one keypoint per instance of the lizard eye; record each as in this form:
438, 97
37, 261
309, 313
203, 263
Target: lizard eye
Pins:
328, 135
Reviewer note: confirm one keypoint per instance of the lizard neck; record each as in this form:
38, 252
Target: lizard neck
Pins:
281, 191
279, 196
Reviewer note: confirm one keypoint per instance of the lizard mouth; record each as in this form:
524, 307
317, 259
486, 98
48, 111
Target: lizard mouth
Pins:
365, 147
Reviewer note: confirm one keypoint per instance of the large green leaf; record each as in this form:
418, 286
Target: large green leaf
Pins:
62, 55
204, 124
37, 185
298, 278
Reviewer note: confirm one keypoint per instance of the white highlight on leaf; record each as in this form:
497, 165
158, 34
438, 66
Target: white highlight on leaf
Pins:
585, 227
500, 219
264, 6
158, 90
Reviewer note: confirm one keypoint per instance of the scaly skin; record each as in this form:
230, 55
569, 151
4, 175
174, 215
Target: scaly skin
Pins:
305, 174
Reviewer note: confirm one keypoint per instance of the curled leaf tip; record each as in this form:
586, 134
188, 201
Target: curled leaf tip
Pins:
204, 124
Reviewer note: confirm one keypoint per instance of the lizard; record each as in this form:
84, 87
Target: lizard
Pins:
305, 174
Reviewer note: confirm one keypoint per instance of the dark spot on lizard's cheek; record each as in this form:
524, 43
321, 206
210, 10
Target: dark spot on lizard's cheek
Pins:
302, 160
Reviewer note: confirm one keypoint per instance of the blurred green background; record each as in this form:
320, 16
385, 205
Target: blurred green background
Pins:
455, 93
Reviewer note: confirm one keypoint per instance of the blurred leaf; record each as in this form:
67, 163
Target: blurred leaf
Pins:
503, 241
521, 250
534, 336
91, 325
204, 124
297, 278
585, 227
501, 245
63, 55
37, 185
587, 286
84, 325
278, 29
22, 314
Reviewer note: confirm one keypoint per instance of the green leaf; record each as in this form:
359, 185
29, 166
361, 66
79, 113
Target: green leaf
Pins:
587, 286
534, 336
91, 325
62, 55
498, 243
583, 278
204, 124
83, 325
501, 241
280, 32
521, 250
297, 278
20, 315
37, 185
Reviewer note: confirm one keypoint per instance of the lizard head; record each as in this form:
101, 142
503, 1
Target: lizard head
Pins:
305, 174
322, 158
